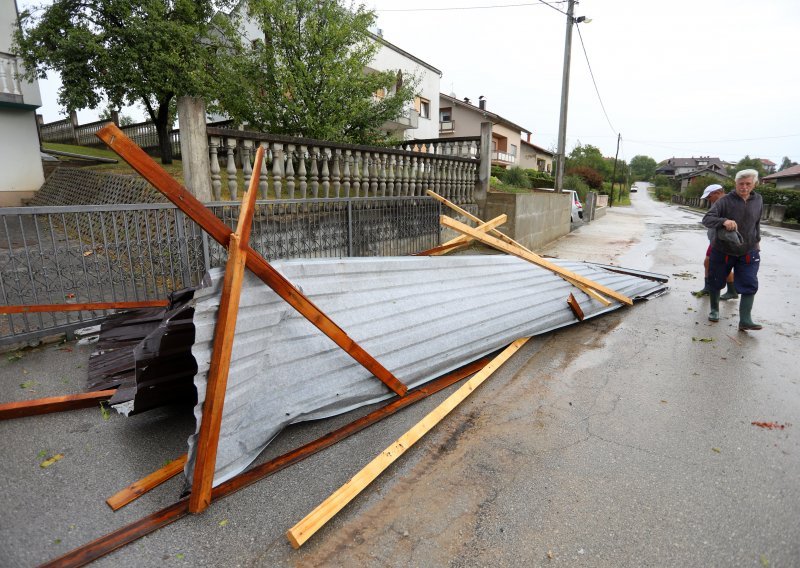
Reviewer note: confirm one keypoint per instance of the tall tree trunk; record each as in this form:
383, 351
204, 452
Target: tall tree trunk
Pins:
162, 128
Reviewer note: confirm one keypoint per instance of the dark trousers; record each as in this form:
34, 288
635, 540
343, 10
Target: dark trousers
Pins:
745, 270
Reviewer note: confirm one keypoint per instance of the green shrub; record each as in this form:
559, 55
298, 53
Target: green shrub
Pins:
788, 197
499, 172
698, 185
516, 176
576, 183
493, 181
663, 193
540, 179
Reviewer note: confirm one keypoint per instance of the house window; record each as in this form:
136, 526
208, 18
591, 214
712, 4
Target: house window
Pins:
513, 150
540, 165
446, 114
425, 108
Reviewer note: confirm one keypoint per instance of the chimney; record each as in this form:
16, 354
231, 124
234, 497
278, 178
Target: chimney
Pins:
466, 100
481, 103
529, 138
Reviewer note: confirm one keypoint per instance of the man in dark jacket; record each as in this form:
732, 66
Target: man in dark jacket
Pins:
737, 212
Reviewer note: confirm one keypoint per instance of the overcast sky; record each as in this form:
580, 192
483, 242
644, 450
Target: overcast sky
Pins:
679, 78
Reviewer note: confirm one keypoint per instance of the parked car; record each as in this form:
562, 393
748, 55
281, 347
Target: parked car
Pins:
577, 208
634, 189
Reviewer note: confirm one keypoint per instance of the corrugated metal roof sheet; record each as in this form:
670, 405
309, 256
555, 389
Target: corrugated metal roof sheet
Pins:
418, 316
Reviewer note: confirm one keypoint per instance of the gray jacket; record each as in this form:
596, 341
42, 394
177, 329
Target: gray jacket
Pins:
747, 215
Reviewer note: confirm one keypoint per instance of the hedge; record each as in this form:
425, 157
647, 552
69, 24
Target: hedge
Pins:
788, 197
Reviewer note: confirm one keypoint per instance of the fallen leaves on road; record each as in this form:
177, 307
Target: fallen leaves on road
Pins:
770, 425
15, 356
48, 462
716, 450
703, 339
684, 275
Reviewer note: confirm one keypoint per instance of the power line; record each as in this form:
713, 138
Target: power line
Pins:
553, 7
586, 55
719, 141
489, 7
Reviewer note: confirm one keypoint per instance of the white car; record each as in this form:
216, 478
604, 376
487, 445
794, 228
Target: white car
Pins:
577, 208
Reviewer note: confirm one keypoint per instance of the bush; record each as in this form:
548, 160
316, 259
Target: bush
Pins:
516, 176
788, 197
499, 172
493, 181
663, 193
592, 177
577, 183
540, 179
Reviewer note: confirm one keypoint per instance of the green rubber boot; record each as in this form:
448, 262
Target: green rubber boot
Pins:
731, 294
713, 297
746, 322
704, 292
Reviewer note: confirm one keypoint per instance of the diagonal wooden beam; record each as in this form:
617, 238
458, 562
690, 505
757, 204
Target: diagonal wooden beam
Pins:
505, 238
531, 257
224, 331
326, 510
463, 240
53, 404
33, 308
142, 486
256, 263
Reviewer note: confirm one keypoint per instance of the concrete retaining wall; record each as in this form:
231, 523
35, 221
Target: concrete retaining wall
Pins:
534, 219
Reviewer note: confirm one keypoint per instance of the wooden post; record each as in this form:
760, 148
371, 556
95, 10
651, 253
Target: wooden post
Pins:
34, 308
208, 438
315, 520
220, 232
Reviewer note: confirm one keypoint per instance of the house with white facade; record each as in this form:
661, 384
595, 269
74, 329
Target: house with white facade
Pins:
511, 143
20, 160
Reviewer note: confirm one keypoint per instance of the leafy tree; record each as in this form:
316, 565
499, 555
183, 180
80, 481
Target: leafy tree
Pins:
786, 163
124, 119
591, 157
592, 177
307, 77
145, 51
643, 168
748, 163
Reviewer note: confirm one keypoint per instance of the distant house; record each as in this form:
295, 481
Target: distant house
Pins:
20, 161
785, 179
534, 157
688, 177
459, 118
677, 166
769, 165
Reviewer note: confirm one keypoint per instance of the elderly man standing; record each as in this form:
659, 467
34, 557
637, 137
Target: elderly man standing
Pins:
712, 193
736, 220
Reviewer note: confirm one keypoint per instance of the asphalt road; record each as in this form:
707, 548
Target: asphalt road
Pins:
623, 441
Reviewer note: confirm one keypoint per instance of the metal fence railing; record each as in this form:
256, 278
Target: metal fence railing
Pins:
108, 253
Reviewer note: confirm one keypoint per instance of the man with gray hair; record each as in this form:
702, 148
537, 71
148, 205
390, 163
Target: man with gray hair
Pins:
736, 221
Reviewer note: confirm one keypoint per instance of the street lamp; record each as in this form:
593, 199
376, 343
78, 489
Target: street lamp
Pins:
562, 121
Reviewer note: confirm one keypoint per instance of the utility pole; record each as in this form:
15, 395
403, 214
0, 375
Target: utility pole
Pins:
562, 121
614, 175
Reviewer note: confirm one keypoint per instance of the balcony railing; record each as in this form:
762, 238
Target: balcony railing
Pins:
447, 126
504, 157
10, 88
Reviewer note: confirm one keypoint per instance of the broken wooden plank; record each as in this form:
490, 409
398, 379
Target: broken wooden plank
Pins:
53, 404
534, 258
576, 307
315, 520
224, 331
129, 533
483, 227
220, 232
503, 237
35, 308
145, 484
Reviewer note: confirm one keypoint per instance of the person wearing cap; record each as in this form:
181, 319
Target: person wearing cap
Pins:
736, 221
712, 193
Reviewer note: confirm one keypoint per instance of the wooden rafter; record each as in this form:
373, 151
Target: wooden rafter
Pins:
505, 238
575, 307
224, 331
142, 486
531, 257
256, 263
53, 404
34, 308
315, 520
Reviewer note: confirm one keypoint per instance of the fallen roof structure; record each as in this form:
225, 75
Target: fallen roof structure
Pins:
420, 316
